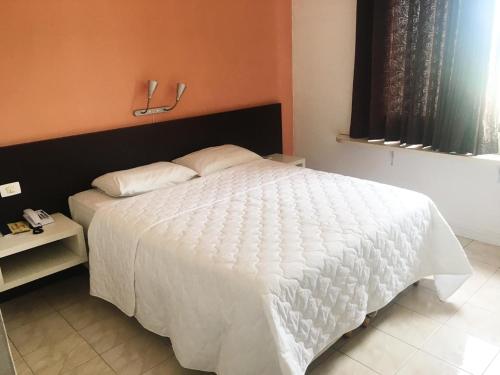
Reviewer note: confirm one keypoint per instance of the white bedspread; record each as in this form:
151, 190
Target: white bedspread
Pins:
259, 268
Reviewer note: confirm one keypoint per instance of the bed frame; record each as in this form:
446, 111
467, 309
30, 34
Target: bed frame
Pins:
52, 170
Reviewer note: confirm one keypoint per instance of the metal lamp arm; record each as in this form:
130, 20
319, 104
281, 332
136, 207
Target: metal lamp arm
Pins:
181, 87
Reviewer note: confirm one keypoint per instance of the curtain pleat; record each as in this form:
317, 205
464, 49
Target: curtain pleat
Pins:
360, 117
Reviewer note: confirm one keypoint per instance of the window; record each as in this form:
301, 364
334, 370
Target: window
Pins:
427, 74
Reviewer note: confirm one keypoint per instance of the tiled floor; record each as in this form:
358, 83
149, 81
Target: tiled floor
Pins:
62, 330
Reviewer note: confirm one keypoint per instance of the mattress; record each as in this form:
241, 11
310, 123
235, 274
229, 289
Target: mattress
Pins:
84, 205
257, 269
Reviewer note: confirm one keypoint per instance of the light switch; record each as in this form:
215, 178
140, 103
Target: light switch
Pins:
10, 189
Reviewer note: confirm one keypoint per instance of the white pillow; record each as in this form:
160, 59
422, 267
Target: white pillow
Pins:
142, 179
213, 159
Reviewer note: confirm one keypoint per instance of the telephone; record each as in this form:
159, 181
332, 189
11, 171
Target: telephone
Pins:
37, 218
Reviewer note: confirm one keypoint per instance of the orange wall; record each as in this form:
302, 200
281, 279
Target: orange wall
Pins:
76, 66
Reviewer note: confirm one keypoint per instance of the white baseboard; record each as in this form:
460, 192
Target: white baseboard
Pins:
489, 237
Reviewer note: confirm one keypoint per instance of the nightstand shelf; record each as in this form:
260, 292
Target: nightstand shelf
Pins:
27, 257
288, 159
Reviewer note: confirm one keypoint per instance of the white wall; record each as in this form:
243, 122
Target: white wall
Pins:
467, 191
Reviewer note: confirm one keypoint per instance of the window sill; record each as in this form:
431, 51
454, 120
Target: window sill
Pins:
345, 139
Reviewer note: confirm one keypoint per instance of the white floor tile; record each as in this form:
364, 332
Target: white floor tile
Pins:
461, 349
488, 296
340, 364
425, 364
464, 241
482, 272
427, 303
494, 367
378, 351
427, 282
406, 325
477, 322
484, 253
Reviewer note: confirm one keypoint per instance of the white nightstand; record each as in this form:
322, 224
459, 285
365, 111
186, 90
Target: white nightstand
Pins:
26, 257
288, 159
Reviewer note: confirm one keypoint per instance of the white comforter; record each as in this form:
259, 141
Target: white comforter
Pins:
259, 268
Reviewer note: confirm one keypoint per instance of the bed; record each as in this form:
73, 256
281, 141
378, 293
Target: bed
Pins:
257, 269
84, 205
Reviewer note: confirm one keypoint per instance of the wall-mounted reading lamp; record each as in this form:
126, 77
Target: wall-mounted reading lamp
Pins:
181, 87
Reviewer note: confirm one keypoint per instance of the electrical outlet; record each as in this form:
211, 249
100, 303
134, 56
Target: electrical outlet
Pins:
12, 188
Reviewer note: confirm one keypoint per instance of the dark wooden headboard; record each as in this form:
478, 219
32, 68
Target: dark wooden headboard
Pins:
50, 171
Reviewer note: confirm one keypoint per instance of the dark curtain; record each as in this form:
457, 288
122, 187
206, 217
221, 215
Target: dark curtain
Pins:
421, 73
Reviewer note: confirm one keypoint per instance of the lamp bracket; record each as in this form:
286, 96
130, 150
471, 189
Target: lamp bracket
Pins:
153, 111
181, 87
